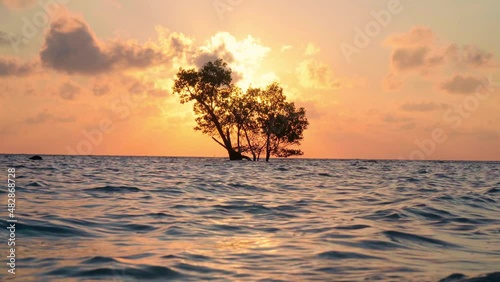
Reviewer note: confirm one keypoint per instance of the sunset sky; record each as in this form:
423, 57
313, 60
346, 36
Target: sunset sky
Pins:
379, 79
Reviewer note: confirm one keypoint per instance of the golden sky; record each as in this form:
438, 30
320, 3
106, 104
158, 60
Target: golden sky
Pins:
383, 79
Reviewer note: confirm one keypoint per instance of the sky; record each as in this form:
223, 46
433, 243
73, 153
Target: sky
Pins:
380, 79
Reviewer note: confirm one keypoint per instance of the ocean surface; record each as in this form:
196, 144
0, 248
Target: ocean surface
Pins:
84, 218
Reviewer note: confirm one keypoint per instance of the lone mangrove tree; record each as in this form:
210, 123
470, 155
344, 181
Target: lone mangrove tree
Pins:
255, 122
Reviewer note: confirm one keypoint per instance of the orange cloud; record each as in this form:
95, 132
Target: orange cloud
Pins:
14, 67
420, 51
19, 4
45, 116
391, 82
68, 91
417, 36
316, 75
422, 107
463, 84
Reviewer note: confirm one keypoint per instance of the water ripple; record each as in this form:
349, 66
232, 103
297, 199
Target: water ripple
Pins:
91, 218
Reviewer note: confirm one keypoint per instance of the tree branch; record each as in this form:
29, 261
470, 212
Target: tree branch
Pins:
218, 142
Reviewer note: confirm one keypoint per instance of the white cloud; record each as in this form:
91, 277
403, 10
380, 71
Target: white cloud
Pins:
316, 75
311, 49
243, 56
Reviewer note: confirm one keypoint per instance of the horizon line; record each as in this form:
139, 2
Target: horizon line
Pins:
291, 158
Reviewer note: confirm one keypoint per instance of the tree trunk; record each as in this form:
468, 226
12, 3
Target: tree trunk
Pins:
268, 148
236, 156
226, 139
233, 155
250, 145
238, 139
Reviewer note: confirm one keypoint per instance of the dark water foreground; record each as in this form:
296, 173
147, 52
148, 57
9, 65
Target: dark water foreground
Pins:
188, 219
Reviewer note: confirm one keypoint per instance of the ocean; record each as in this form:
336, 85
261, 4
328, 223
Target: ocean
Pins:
93, 218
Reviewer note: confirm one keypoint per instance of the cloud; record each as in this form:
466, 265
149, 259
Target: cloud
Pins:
70, 46
417, 36
177, 44
316, 75
415, 59
137, 87
219, 52
68, 91
391, 82
44, 116
419, 51
415, 50
13, 67
409, 58
463, 84
158, 92
481, 134
101, 89
422, 107
286, 48
5, 38
224, 45
419, 48
145, 86
476, 57
390, 118
407, 126
243, 56
311, 49
29, 90
19, 4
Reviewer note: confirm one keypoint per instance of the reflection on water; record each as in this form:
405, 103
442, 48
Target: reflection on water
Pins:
188, 219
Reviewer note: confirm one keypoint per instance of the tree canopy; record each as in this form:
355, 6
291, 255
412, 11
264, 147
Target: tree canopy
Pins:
258, 121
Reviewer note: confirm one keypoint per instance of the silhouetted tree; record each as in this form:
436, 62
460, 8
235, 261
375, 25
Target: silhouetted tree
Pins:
210, 88
281, 123
259, 120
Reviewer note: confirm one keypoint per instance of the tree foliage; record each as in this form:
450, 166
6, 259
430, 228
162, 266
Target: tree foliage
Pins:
256, 122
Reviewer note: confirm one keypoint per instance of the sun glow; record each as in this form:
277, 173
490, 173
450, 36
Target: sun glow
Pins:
244, 57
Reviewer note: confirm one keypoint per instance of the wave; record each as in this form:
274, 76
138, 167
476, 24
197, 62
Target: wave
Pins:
344, 255
201, 269
386, 215
114, 189
493, 190
402, 237
353, 227
37, 184
99, 260
36, 228
459, 277
139, 273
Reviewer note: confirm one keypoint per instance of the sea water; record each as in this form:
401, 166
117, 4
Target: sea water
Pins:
86, 218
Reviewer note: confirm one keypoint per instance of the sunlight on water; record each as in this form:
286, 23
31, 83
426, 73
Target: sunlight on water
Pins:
187, 219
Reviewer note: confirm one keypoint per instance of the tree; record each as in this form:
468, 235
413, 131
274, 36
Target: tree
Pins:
245, 110
281, 123
259, 120
210, 88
